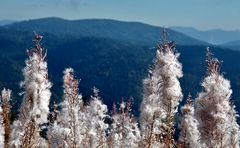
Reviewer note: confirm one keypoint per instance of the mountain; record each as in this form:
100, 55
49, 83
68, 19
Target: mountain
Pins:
232, 45
215, 36
116, 67
134, 32
6, 22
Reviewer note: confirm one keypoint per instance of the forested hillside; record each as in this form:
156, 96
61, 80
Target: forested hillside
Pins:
209, 120
116, 67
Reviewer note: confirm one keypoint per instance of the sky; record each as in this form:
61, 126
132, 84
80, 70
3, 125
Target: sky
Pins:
201, 14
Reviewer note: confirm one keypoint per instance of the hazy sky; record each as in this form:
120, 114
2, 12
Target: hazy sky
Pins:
202, 14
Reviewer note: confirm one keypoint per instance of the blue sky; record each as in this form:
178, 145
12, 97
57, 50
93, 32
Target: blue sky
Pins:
201, 14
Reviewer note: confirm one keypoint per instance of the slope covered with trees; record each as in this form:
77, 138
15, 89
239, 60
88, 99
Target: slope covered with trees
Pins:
133, 61
208, 121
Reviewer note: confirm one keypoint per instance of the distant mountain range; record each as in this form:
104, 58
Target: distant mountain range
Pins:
128, 31
215, 36
104, 28
232, 43
235, 45
6, 22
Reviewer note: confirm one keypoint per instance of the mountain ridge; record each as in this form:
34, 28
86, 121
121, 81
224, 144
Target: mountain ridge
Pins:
6, 22
213, 36
235, 45
136, 32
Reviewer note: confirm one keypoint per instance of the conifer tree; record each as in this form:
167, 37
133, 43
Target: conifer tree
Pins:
124, 129
162, 93
189, 136
215, 113
34, 109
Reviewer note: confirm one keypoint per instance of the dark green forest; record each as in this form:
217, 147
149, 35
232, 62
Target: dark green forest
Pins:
114, 60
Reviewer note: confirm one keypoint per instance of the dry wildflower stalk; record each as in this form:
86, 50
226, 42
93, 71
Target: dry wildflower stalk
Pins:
6, 108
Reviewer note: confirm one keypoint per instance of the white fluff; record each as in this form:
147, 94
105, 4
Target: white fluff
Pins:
2, 131
68, 130
189, 136
216, 116
37, 87
162, 94
37, 95
95, 122
124, 129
